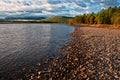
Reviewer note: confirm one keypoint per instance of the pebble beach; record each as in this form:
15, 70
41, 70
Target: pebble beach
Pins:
91, 54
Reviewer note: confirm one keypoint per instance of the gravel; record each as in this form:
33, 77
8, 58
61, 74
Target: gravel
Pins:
92, 54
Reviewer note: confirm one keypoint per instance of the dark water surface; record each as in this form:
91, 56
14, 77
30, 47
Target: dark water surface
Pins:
27, 44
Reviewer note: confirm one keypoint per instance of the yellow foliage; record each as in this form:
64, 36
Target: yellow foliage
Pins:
71, 21
117, 22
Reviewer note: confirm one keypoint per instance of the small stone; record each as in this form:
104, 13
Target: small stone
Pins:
23, 69
38, 64
69, 47
38, 77
76, 59
50, 78
39, 72
83, 69
116, 76
31, 77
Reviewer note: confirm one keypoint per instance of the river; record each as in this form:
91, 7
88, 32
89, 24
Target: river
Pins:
27, 44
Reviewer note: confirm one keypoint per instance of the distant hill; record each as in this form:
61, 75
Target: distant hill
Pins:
24, 18
32, 19
56, 19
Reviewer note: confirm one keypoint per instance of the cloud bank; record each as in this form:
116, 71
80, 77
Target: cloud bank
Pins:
52, 7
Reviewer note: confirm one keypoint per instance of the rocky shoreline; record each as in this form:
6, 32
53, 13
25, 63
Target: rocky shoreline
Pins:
92, 54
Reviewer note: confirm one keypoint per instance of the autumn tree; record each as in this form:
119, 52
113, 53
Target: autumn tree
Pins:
104, 16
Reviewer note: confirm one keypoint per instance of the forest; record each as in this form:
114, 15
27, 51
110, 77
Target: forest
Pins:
109, 16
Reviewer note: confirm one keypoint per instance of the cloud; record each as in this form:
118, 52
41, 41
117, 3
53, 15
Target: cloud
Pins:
111, 2
53, 7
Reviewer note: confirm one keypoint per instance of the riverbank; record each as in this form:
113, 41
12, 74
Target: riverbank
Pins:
97, 25
92, 54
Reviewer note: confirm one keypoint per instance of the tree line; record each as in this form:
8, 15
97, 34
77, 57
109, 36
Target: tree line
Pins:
104, 16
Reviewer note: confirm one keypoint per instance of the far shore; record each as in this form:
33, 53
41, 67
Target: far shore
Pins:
75, 24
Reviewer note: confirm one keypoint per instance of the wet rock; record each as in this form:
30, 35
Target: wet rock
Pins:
39, 64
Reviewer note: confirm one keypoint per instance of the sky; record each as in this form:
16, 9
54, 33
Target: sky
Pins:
46, 8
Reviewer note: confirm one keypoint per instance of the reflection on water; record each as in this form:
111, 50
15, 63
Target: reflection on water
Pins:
21, 37
26, 44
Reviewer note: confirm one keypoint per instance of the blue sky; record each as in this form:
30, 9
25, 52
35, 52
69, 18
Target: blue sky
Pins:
52, 7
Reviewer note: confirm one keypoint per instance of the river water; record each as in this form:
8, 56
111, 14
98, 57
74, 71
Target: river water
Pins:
27, 44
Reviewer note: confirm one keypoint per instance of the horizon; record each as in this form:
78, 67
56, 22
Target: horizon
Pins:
48, 8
